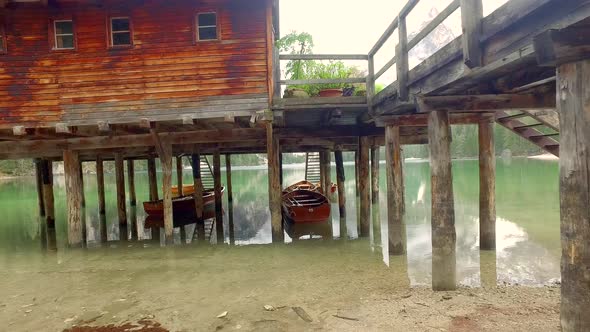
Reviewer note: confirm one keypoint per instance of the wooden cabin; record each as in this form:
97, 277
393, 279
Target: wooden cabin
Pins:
76, 63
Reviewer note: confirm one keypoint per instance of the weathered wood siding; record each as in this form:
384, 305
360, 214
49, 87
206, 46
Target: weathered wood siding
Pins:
163, 75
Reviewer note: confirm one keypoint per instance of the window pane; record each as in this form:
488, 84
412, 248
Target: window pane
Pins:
65, 41
208, 19
208, 33
120, 24
121, 38
64, 27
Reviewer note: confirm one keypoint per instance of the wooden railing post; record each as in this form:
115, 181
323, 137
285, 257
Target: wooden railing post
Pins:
371, 82
471, 18
402, 63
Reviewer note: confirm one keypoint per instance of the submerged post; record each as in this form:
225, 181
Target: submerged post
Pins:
230, 200
72, 179
48, 198
131, 182
152, 179
364, 187
218, 198
198, 183
274, 185
82, 194
100, 184
166, 161
179, 176
39, 182
340, 180
443, 211
120, 184
487, 186
394, 172
375, 216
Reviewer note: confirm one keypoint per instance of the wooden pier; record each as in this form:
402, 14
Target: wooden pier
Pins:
215, 89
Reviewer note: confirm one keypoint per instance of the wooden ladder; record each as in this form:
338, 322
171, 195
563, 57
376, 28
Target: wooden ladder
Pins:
312, 167
538, 127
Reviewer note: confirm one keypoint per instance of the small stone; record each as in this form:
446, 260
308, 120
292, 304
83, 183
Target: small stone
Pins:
446, 297
222, 315
406, 296
268, 307
28, 311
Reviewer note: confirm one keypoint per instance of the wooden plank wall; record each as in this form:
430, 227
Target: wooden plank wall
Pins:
165, 74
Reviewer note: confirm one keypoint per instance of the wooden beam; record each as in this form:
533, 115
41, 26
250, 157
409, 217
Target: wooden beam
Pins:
230, 200
402, 60
364, 187
152, 179
443, 211
574, 183
199, 204
421, 119
471, 22
131, 182
39, 186
375, 215
100, 185
395, 220
487, 186
166, 161
218, 199
274, 185
340, 182
72, 180
486, 103
120, 184
324, 57
555, 47
48, 196
179, 177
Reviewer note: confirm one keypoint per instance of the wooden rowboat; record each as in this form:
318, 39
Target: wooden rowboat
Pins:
305, 185
305, 205
187, 189
183, 210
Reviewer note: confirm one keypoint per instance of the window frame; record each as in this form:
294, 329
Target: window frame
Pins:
196, 26
54, 35
4, 40
111, 33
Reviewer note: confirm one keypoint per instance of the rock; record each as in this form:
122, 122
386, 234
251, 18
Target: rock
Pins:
446, 297
268, 307
28, 311
222, 315
406, 296
302, 314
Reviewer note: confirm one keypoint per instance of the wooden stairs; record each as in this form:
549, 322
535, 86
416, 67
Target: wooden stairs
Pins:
312, 167
538, 127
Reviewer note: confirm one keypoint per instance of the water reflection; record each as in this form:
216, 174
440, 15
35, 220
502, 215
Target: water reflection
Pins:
527, 226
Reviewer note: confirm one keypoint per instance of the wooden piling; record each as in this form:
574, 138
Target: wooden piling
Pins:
166, 161
39, 184
100, 185
274, 185
340, 181
364, 187
131, 182
375, 213
394, 173
230, 200
120, 184
48, 198
487, 187
323, 170
72, 180
218, 198
152, 179
443, 211
356, 191
573, 89
179, 176
82, 194
198, 183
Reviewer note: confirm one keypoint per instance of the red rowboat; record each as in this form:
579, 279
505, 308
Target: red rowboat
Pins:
304, 203
183, 210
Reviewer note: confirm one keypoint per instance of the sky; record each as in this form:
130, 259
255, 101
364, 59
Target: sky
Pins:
353, 26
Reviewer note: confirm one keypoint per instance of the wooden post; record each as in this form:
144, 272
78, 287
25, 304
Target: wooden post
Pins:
357, 192
274, 185
100, 185
322, 156
48, 198
72, 179
471, 17
218, 198
131, 182
402, 62
375, 213
395, 215
281, 168
573, 91
120, 179
443, 210
341, 179
364, 187
328, 174
166, 161
487, 187
152, 178
230, 200
82, 194
39, 183
196, 159
179, 176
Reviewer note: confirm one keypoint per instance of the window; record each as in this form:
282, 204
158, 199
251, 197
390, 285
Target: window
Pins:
207, 26
2, 40
121, 31
64, 34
